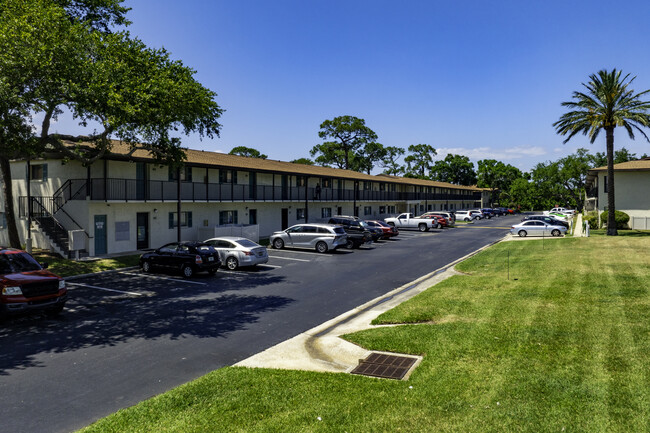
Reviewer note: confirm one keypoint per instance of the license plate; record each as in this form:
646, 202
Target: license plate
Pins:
210, 259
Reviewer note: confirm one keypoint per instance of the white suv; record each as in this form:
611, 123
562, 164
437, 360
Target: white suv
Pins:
465, 215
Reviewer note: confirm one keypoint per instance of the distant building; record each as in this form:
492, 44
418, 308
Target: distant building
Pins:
632, 191
121, 204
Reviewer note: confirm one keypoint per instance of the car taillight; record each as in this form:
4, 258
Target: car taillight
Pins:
198, 260
249, 253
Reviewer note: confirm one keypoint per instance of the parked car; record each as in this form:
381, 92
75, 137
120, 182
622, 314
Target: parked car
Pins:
563, 210
27, 285
450, 216
407, 220
488, 212
321, 237
547, 219
537, 228
186, 257
441, 221
235, 252
388, 231
358, 232
465, 215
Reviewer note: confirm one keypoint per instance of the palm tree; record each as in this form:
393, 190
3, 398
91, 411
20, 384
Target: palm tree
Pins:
606, 104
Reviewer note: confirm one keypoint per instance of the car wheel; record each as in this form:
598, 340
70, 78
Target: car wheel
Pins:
278, 244
146, 266
423, 227
232, 263
522, 233
555, 233
349, 244
439, 226
187, 271
321, 247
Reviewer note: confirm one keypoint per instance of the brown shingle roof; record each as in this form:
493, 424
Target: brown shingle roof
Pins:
216, 159
639, 164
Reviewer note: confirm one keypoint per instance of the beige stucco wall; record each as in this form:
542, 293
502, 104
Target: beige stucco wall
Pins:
632, 194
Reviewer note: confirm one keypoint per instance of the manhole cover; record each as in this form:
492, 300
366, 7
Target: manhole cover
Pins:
386, 366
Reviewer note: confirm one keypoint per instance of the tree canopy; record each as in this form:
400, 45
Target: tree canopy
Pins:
456, 169
248, 152
352, 144
420, 162
58, 56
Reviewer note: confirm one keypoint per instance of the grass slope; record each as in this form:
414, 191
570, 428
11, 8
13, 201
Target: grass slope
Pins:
563, 345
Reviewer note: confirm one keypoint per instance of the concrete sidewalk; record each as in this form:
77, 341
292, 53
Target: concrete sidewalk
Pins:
322, 349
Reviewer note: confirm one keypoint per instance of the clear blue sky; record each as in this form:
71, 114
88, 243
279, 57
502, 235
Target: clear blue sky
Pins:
481, 78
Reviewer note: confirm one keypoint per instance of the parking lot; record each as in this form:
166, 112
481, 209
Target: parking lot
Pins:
127, 335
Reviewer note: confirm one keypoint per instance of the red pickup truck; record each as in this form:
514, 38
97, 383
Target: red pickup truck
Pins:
25, 285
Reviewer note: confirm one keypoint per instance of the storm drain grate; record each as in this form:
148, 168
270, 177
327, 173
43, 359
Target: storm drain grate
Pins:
385, 366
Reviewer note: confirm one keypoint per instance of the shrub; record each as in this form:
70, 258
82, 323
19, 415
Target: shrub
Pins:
621, 219
592, 219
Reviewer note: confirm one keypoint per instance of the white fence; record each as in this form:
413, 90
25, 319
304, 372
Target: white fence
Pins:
250, 231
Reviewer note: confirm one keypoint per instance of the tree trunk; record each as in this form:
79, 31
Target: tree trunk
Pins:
611, 209
12, 228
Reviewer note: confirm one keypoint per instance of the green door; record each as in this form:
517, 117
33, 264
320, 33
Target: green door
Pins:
100, 235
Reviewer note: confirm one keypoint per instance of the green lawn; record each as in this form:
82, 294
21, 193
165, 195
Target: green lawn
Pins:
534, 337
66, 268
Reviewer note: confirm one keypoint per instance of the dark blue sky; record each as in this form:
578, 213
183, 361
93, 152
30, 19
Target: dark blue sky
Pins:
480, 78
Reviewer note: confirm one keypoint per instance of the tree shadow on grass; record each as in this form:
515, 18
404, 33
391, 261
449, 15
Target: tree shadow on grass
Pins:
166, 309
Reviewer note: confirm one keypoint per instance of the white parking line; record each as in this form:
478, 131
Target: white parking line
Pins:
288, 258
272, 266
162, 278
104, 288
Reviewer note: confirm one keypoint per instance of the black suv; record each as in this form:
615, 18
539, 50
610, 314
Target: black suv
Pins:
547, 219
358, 232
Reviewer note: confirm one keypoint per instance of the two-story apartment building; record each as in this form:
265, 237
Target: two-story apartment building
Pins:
127, 203
632, 191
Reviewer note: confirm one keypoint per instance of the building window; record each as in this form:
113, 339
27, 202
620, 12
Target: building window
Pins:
429, 207
300, 214
391, 209
604, 184
301, 180
38, 172
252, 216
325, 212
228, 217
382, 187
186, 174
382, 210
227, 176
421, 208
326, 182
367, 186
186, 219
367, 210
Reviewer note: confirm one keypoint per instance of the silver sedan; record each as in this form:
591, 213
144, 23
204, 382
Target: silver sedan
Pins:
235, 251
537, 228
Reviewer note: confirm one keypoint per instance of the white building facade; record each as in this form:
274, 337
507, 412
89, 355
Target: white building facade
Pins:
121, 204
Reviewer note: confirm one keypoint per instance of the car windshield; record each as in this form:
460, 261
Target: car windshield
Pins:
19, 262
205, 248
363, 224
246, 243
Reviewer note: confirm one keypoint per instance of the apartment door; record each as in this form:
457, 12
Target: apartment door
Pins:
252, 186
101, 238
142, 230
285, 218
285, 187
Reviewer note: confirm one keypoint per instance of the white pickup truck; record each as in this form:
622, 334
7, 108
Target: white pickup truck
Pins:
407, 221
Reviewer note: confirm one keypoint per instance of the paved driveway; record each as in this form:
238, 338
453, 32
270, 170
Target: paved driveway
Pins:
127, 336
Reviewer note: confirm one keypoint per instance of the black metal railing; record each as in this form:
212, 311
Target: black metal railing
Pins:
137, 190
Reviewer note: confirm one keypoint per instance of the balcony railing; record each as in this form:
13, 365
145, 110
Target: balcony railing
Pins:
154, 190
